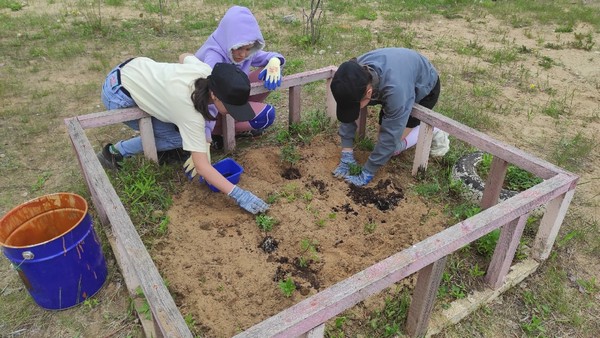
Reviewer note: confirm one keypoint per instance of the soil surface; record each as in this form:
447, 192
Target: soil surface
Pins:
224, 270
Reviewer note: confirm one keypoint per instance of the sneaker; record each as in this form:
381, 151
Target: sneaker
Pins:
177, 155
108, 159
440, 143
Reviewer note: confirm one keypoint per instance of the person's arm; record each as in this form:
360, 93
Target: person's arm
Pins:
261, 58
209, 173
390, 134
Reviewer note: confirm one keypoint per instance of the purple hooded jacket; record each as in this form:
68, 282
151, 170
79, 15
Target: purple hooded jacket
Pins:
237, 28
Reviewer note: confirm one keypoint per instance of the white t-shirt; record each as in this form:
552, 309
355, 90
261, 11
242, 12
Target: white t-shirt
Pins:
164, 91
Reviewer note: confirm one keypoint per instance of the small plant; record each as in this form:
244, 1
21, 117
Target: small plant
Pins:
313, 22
535, 327
475, 271
190, 322
546, 62
308, 247
583, 41
355, 169
486, 244
91, 303
265, 222
272, 198
370, 227
287, 286
290, 155
163, 226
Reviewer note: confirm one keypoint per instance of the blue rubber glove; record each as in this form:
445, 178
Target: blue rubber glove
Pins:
271, 74
361, 179
248, 201
343, 169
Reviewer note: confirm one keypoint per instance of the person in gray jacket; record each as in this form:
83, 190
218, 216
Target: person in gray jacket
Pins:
395, 78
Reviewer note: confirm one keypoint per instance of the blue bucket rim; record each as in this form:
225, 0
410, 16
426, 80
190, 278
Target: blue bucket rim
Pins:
37, 199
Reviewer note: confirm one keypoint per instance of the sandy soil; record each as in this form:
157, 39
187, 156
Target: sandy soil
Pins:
212, 256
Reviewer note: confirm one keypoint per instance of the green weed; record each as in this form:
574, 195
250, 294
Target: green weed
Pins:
287, 286
290, 154
370, 227
572, 153
265, 222
486, 245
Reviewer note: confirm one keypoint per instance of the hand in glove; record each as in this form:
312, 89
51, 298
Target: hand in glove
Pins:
271, 74
343, 169
190, 168
248, 201
361, 179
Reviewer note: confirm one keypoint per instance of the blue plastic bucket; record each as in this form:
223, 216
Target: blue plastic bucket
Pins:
230, 169
51, 243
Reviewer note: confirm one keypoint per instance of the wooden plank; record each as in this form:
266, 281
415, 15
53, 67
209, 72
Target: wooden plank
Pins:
147, 135
550, 224
294, 104
488, 144
110, 117
461, 308
134, 254
317, 332
328, 303
132, 284
504, 252
423, 147
493, 183
228, 124
297, 79
423, 298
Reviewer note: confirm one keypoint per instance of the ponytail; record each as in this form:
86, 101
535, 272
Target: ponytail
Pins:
200, 97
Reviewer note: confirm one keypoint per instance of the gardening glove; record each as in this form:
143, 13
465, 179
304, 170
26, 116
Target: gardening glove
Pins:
361, 179
343, 169
190, 168
248, 201
271, 74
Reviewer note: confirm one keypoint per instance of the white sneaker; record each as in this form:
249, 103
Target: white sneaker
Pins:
440, 143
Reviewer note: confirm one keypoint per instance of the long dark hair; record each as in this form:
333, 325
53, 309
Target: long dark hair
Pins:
200, 97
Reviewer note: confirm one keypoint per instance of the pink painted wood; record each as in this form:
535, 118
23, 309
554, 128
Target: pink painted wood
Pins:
331, 104
507, 245
555, 213
486, 143
147, 135
362, 123
493, 183
294, 104
423, 298
228, 125
422, 150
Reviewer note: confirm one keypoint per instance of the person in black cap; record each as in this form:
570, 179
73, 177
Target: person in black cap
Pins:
395, 78
177, 96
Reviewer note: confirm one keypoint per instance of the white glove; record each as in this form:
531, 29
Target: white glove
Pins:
271, 74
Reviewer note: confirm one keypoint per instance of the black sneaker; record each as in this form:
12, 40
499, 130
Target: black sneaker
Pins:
177, 155
108, 159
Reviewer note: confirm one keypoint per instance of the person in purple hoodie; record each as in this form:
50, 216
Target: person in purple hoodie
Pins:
238, 40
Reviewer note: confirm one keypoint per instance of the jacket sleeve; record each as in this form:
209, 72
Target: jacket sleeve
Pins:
347, 132
261, 58
212, 58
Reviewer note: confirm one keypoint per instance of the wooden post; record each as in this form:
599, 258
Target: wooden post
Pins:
228, 124
423, 148
550, 224
423, 298
331, 104
504, 252
362, 122
147, 135
493, 183
294, 104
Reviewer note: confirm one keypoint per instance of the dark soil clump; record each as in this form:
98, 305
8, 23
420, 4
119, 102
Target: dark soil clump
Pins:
291, 173
319, 185
269, 244
385, 195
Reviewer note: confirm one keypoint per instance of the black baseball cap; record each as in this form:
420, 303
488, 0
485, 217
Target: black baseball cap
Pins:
232, 87
348, 87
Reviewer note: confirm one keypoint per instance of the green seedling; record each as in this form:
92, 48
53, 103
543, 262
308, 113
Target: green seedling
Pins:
486, 244
91, 303
370, 227
308, 247
290, 155
265, 222
272, 198
287, 286
355, 169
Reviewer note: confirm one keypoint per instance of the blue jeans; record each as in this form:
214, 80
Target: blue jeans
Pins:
115, 96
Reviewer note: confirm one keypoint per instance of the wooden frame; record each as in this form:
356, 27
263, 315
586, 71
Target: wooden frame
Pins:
427, 258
